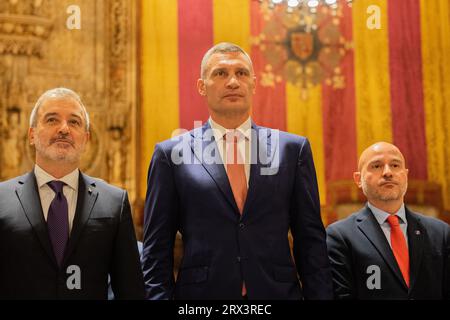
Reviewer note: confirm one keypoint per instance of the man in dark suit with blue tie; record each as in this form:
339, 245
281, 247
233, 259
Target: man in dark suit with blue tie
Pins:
234, 190
386, 251
61, 231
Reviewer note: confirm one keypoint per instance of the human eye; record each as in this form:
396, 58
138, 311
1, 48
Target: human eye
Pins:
375, 166
51, 120
242, 73
75, 122
219, 73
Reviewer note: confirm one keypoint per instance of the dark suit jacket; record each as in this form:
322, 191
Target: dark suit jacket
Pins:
358, 242
102, 241
222, 248
110, 290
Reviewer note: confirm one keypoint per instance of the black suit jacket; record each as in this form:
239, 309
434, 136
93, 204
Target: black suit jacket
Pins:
357, 242
223, 248
102, 241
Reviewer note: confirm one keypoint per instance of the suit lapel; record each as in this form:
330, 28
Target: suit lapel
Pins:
372, 230
28, 195
87, 195
416, 234
202, 145
262, 157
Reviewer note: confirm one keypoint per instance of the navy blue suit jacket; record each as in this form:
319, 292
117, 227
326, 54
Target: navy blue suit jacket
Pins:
357, 243
222, 248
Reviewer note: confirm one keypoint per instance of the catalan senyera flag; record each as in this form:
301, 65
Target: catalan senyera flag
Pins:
397, 82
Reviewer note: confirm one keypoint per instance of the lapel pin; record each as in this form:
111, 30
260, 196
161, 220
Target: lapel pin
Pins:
417, 232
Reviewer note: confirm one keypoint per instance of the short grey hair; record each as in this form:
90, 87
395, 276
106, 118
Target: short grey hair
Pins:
57, 93
223, 47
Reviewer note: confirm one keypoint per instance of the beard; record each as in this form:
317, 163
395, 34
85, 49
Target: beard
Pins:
383, 195
68, 154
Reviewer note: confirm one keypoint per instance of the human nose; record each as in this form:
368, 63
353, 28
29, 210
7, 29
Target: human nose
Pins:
387, 170
232, 82
64, 127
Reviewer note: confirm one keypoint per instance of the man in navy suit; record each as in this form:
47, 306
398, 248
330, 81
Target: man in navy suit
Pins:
234, 190
61, 231
386, 251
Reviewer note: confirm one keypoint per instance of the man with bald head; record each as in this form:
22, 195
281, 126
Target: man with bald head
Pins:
61, 231
386, 251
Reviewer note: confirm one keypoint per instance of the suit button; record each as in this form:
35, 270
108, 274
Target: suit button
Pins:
241, 225
238, 259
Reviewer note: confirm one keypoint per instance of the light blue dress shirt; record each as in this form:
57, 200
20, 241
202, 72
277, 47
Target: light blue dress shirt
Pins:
382, 216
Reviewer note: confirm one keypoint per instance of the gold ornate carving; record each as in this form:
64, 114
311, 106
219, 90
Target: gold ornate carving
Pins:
38, 52
24, 27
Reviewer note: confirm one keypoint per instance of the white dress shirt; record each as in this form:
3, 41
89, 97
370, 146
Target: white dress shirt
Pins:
382, 216
46, 194
243, 144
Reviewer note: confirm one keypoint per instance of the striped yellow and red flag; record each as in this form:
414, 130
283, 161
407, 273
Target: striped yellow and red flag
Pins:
397, 82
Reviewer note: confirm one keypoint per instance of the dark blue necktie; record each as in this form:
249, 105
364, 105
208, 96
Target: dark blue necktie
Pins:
58, 221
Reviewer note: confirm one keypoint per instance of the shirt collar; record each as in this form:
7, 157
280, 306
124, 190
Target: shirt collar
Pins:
381, 215
219, 131
43, 177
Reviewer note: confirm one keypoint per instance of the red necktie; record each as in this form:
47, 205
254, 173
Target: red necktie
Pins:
236, 175
399, 247
236, 170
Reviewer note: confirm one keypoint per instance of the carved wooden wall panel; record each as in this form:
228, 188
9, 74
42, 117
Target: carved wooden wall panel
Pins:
98, 61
